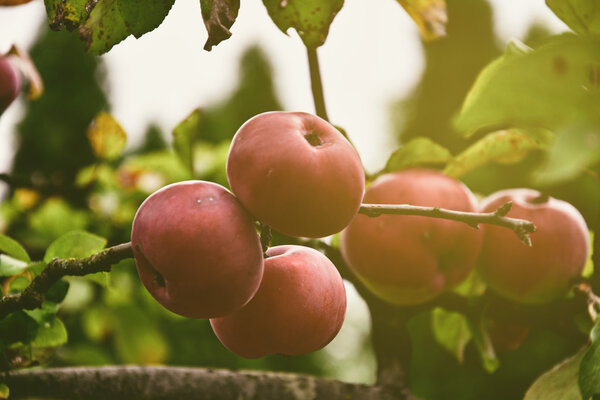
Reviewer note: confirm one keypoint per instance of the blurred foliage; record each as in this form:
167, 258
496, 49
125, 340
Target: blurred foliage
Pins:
55, 124
451, 65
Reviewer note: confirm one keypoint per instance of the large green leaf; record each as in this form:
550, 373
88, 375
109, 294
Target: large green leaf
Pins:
451, 331
429, 15
310, 18
559, 383
13, 248
143, 16
577, 147
418, 151
583, 16
504, 146
218, 16
76, 244
548, 87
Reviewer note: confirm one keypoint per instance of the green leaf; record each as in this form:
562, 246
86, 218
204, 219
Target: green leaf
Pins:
143, 16
50, 334
10, 266
549, 87
583, 16
451, 331
53, 218
104, 28
17, 327
184, 136
559, 383
589, 368
18, 284
68, 14
506, 146
58, 291
418, 151
218, 16
76, 244
484, 345
13, 248
4, 391
106, 136
310, 18
577, 147
429, 15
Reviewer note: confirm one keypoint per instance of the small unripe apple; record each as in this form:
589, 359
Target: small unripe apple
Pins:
405, 259
295, 172
542, 272
299, 307
10, 83
197, 250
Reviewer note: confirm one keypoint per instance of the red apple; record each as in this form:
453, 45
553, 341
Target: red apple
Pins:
542, 272
299, 307
197, 250
412, 259
10, 83
295, 172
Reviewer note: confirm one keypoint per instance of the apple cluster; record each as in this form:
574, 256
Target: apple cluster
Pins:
408, 260
198, 252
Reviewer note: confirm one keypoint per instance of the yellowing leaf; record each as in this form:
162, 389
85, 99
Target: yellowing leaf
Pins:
106, 136
429, 15
505, 146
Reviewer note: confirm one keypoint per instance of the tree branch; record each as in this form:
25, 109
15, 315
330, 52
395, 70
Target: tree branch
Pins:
521, 227
147, 383
33, 295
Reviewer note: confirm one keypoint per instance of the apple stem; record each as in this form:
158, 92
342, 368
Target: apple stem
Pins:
316, 83
521, 227
33, 295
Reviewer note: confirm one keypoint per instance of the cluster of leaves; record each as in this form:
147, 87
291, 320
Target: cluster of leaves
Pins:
101, 24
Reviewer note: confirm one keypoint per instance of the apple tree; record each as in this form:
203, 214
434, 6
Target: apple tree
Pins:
217, 264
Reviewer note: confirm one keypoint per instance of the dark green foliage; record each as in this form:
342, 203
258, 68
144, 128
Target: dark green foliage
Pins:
55, 124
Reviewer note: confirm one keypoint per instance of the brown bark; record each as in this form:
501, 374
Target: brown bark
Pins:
145, 383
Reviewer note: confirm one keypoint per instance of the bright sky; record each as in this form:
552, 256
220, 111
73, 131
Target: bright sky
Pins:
372, 55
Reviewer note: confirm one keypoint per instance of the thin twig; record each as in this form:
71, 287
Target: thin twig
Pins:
33, 295
521, 227
316, 84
